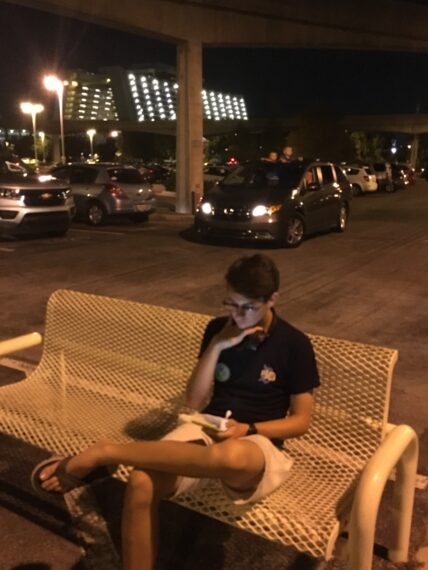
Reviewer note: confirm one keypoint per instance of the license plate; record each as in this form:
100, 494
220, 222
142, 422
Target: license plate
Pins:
142, 207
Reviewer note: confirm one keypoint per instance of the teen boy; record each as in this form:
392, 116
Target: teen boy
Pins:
252, 364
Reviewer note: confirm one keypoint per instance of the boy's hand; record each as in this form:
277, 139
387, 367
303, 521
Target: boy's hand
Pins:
231, 335
233, 431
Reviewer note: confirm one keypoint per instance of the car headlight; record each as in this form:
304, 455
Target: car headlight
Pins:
45, 178
261, 210
206, 208
10, 193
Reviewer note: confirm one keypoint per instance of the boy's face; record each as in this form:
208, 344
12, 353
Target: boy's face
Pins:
246, 312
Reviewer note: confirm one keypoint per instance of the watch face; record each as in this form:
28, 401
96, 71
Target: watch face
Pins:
252, 429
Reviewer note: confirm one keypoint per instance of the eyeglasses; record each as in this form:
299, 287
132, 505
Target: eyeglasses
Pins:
245, 307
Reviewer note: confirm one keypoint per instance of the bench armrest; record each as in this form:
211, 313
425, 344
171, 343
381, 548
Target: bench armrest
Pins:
19, 343
399, 449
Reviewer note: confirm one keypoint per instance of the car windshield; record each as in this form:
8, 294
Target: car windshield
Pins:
260, 175
125, 175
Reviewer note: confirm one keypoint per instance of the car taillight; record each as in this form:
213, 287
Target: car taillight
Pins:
115, 190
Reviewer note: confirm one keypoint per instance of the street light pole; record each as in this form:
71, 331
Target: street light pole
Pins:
52, 83
42, 139
32, 109
91, 133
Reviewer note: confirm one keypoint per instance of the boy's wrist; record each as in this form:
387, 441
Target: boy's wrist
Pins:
252, 429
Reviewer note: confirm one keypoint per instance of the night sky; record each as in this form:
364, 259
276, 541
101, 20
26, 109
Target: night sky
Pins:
280, 82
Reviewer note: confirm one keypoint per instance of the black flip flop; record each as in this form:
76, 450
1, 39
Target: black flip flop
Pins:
67, 481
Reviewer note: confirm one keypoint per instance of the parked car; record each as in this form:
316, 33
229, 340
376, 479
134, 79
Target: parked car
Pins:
408, 171
155, 173
362, 178
399, 177
31, 204
384, 176
276, 202
106, 189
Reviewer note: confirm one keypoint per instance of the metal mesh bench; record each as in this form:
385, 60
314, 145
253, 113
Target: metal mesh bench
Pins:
113, 368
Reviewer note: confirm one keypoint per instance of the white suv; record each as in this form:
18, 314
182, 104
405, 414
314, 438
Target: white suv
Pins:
362, 178
32, 204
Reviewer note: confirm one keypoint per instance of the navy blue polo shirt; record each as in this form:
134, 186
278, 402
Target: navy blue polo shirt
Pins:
256, 385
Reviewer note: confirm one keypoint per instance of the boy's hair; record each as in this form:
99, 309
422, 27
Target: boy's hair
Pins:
254, 276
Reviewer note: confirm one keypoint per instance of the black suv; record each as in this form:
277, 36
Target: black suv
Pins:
276, 202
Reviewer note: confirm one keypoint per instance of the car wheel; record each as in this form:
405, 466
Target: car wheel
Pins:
342, 218
294, 232
356, 190
96, 214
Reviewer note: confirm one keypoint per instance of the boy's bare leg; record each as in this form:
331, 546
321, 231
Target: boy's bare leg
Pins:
237, 462
140, 517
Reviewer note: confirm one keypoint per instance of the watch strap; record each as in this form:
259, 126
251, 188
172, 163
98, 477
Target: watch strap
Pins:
251, 429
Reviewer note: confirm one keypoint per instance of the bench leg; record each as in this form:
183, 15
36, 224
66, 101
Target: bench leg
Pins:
399, 449
404, 492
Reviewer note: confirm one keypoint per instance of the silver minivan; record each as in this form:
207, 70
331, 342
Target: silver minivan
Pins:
32, 204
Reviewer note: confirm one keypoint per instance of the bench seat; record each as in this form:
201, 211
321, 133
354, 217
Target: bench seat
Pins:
113, 368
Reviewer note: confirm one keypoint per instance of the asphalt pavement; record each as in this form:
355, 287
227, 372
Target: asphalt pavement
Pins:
367, 285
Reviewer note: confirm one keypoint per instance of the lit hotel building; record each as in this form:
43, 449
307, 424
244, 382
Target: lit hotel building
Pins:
147, 94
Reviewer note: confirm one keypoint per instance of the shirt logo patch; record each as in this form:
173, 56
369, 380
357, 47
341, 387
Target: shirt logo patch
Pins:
267, 375
222, 372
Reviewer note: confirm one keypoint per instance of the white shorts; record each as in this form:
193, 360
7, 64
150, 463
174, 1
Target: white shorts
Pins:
277, 465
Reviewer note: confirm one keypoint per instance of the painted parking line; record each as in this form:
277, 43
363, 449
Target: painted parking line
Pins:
105, 232
7, 249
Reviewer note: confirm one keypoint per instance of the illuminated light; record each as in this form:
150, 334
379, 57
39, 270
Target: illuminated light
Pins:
45, 178
259, 211
175, 86
206, 208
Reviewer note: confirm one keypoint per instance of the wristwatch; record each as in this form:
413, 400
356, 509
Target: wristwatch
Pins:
251, 429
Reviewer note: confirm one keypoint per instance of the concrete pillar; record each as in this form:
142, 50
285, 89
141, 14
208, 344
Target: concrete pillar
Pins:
189, 145
414, 151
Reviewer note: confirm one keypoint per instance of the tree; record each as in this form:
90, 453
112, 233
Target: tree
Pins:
320, 134
367, 147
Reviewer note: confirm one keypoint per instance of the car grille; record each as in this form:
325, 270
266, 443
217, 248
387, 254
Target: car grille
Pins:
43, 197
238, 213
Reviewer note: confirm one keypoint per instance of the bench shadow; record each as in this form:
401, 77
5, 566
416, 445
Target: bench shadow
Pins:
188, 540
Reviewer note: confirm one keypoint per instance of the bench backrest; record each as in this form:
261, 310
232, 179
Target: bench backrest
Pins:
147, 352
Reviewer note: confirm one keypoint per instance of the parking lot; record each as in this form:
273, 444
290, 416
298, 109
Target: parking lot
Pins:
367, 285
